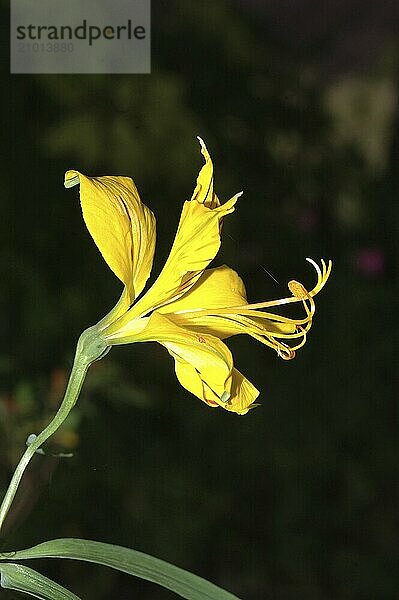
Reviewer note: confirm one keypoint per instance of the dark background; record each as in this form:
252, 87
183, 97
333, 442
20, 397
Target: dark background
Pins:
299, 499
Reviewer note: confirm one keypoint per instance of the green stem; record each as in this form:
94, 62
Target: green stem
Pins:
90, 348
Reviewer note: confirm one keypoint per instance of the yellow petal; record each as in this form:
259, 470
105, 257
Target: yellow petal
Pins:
208, 355
191, 380
242, 392
122, 227
216, 288
203, 192
204, 364
196, 243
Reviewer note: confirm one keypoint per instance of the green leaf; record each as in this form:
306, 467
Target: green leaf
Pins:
136, 563
23, 579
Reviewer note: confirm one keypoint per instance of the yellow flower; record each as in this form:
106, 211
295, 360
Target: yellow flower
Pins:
189, 309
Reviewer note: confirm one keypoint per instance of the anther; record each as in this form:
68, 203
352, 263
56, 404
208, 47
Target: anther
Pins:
297, 290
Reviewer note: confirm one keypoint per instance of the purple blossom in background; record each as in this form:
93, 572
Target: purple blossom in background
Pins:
369, 261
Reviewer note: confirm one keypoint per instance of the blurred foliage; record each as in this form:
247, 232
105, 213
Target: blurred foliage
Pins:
299, 498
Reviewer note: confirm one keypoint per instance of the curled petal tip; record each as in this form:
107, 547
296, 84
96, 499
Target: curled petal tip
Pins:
204, 149
71, 179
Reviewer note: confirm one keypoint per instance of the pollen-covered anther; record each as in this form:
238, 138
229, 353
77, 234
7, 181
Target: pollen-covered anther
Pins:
298, 290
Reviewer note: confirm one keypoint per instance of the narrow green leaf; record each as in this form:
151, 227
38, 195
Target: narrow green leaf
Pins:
185, 584
23, 579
